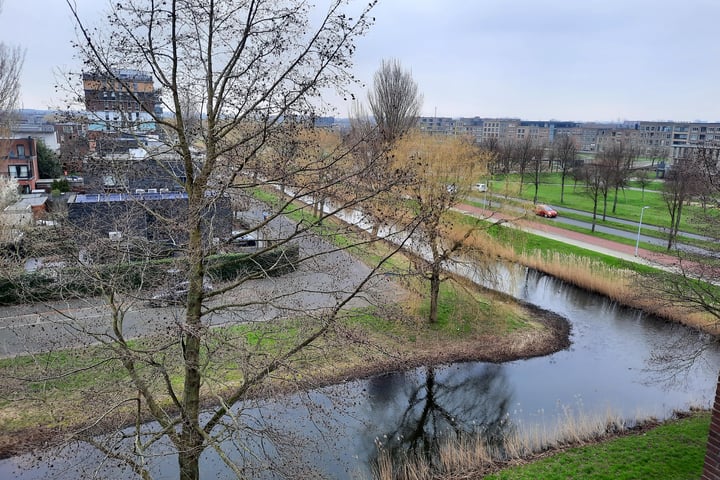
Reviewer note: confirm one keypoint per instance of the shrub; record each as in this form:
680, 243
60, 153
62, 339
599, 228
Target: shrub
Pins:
76, 282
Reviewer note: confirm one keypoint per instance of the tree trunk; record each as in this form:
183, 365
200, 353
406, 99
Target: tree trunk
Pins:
435, 271
191, 443
434, 292
604, 205
594, 218
615, 199
562, 187
189, 462
672, 210
675, 225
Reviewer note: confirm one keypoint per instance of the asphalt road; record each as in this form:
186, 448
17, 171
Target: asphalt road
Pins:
323, 279
497, 202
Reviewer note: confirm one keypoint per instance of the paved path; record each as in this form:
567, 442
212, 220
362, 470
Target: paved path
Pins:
600, 245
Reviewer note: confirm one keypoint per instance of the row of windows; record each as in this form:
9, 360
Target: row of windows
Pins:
20, 171
128, 116
680, 128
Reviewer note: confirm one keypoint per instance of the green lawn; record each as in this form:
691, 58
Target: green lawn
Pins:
674, 451
528, 242
629, 203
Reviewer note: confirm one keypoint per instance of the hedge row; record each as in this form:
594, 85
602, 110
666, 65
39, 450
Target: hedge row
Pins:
76, 283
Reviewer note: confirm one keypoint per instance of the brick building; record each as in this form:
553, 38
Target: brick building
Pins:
18, 160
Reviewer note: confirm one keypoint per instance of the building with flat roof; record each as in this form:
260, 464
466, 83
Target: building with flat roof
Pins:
121, 103
650, 137
38, 124
153, 216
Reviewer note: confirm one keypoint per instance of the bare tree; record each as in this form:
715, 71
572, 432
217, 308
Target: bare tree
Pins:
11, 63
395, 104
8, 191
444, 169
594, 176
693, 286
564, 150
249, 67
685, 179
644, 177
525, 152
657, 154
394, 101
491, 147
624, 169
613, 158
536, 161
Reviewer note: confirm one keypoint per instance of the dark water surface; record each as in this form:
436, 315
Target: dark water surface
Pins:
608, 370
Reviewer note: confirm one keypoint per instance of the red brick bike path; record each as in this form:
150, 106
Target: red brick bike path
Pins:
590, 242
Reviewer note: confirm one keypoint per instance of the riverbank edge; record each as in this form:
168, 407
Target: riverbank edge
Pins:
639, 429
554, 336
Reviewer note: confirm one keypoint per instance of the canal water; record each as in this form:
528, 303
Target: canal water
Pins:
621, 364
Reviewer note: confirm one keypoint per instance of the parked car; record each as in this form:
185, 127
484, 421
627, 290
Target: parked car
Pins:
248, 240
175, 295
481, 187
545, 211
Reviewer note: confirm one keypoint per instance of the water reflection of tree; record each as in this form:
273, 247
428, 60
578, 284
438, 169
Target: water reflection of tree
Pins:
445, 404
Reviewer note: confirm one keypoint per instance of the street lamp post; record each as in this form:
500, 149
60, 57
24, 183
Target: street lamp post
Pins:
637, 243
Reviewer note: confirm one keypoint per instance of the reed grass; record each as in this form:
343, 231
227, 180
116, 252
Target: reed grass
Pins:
469, 455
625, 286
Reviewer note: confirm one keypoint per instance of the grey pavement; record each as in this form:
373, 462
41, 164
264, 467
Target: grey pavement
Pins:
325, 278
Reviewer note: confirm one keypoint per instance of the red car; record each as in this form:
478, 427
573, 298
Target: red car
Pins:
545, 211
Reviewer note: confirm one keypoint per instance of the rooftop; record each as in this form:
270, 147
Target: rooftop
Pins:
123, 197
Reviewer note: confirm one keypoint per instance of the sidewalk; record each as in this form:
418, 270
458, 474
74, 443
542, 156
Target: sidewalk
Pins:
589, 242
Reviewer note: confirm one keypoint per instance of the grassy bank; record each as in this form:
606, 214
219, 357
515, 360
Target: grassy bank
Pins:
674, 450
46, 396
582, 449
625, 282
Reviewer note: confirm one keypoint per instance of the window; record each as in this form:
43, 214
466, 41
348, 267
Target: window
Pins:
19, 171
21, 151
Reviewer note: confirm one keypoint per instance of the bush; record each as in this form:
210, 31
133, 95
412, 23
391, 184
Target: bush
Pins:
61, 185
76, 283
273, 263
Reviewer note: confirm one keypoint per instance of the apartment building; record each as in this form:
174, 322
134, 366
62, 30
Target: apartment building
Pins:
122, 102
18, 160
674, 137
469, 127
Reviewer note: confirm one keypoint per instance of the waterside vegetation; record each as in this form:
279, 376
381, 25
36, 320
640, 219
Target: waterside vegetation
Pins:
584, 448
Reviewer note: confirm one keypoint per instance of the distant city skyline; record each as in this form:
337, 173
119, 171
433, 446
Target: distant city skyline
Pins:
596, 60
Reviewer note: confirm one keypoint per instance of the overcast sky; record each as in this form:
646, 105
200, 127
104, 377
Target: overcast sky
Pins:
582, 60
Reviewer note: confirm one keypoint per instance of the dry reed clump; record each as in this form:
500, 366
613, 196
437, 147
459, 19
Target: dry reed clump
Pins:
623, 286
468, 456
703, 321
584, 273
580, 271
